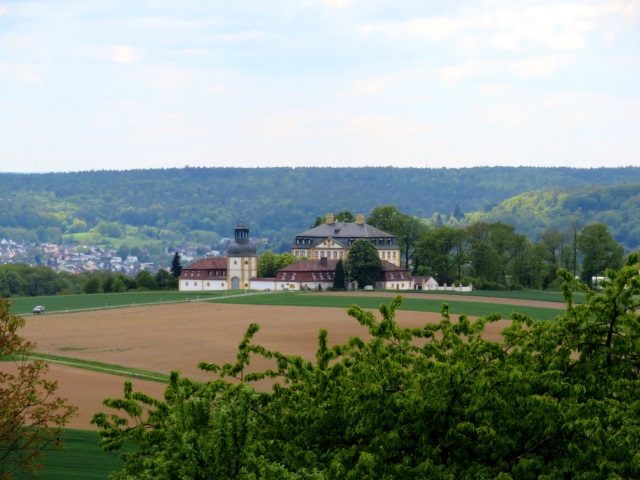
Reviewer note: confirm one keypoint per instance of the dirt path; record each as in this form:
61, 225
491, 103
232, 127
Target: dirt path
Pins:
179, 336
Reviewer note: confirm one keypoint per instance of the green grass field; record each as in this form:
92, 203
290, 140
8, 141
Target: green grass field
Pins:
81, 459
425, 304
68, 303
64, 303
108, 368
538, 295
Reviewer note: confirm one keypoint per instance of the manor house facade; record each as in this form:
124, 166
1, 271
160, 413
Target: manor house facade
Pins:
334, 239
319, 250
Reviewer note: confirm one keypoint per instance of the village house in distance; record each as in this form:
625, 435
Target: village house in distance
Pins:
319, 250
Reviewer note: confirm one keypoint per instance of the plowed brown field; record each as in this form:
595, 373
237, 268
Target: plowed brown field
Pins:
179, 336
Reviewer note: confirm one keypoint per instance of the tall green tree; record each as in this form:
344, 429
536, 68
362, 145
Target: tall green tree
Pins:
269, 263
405, 228
165, 280
176, 265
146, 281
494, 252
599, 251
92, 284
442, 252
31, 413
345, 216
554, 241
363, 263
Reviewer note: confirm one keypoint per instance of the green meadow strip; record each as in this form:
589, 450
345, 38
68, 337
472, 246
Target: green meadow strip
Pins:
101, 301
536, 295
103, 367
414, 304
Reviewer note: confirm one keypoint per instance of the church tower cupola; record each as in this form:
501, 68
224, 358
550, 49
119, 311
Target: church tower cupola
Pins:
241, 245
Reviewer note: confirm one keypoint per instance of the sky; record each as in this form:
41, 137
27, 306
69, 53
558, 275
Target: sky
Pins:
122, 84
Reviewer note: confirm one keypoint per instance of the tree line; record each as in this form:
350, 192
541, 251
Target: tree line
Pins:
202, 205
494, 256
21, 280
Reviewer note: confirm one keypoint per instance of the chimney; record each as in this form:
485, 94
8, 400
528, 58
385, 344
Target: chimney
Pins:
323, 261
329, 218
360, 219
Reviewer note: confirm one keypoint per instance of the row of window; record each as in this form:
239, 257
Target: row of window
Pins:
195, 284
210, 273
392, 255
323, 276
380, 241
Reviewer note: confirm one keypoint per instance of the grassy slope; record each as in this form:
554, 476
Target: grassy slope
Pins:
425, 304
81, 459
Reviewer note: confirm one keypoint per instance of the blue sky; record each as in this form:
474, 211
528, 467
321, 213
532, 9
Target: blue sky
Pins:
110, 84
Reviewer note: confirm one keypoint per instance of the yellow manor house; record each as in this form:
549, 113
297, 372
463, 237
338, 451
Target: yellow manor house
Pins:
318, 249
333, 239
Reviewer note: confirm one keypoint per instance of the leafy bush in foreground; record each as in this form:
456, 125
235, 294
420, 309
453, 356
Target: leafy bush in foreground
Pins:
550, 400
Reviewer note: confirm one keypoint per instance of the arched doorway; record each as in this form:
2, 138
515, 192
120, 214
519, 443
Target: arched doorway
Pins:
235, 283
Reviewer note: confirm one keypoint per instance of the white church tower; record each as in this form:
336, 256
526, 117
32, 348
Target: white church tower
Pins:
242, 262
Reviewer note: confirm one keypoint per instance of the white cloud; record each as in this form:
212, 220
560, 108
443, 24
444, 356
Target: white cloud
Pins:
338, 4
560, 27
370, 87
169, 117
190, 52
123, 54
452, 74
177, 80
217, 88
383, 125
563, 27
610, 38
433, 28
532, 67
495, 89
3, 9
242, 36
505, 115
22, 73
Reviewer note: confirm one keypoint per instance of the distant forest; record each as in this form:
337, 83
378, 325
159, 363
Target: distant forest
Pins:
202, 205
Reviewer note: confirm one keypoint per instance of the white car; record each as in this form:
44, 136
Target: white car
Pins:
38, 310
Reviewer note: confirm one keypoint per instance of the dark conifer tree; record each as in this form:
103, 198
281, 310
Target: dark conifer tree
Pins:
176, 266
338, 277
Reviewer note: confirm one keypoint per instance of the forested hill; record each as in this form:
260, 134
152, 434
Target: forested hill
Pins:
617, 206
276, 202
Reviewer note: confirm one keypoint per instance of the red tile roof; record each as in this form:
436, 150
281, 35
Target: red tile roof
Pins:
216, 263
201, 268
